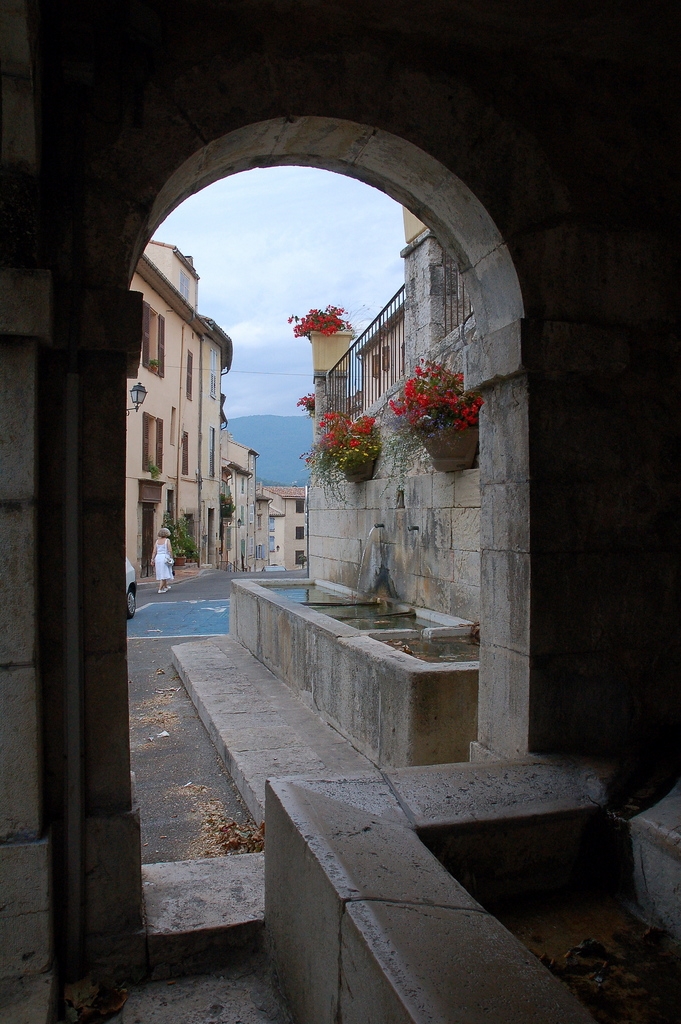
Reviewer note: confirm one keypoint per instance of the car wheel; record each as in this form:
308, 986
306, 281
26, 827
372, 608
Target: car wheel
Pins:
131, 603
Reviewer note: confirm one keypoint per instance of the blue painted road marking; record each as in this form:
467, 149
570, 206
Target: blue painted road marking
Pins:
180, 618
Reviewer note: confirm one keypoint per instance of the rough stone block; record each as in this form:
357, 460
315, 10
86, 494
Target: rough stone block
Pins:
467, 489
18, 582
505, 599
113, 889
25, 914
656, 849
20, 754
505, 516
31, 999
494, 355
504, 432
465, 529
26, 303
504, 700
17, 420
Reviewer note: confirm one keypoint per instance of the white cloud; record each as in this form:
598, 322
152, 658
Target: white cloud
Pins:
272, 242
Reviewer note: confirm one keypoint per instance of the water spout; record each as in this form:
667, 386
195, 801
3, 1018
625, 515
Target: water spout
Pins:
378, 581
379, 526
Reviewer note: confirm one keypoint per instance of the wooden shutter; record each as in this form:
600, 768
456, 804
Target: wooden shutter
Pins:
146, 428
159, 444
161, 346
146, 319
185, 454
190, 372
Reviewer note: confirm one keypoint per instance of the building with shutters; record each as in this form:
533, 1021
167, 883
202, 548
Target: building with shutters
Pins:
287, 526
173, 441
242, 534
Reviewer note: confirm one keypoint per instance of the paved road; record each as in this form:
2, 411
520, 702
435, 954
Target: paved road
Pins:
182, 786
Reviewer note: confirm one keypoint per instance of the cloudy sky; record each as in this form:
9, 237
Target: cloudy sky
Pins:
269, 243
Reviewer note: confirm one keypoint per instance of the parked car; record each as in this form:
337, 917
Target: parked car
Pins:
130, 588
274, 568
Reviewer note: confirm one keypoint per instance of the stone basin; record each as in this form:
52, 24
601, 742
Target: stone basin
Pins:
396, 710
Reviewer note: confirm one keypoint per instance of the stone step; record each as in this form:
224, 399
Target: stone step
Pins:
28, 1000
200, 913
259, 727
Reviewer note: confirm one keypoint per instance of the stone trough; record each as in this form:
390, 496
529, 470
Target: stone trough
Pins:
397, 710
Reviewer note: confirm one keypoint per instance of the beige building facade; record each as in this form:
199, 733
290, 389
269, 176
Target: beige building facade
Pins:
287, 541
243, 534
173, 440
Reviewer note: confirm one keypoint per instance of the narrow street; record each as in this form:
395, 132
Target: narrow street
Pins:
186, 796
184, 792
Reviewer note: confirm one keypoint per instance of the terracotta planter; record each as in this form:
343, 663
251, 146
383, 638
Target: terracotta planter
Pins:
180, 560
361, 473
452, 450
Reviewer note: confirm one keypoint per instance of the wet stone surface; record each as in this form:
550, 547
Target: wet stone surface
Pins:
622, 971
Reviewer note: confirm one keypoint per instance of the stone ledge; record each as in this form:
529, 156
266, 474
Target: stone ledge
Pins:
656, 850
199, 910
367, 926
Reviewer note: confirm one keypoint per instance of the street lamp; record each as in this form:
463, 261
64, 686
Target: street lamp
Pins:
138, 393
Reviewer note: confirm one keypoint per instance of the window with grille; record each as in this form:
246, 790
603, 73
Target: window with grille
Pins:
190, 374
185, 453
211, 451
300, 532
213, 373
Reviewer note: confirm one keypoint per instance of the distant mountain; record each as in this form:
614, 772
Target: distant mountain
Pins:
281, 440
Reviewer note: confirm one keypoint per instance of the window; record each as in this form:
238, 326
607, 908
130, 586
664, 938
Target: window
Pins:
159, 444
251, 542
161, 345
251, 513
271, 524
259, 522
271, 543
243, 484
300, 532
153, 340
170, 503
184, 286
300, 504
242, 517
146, 433
190, 374
211, 451
173, 424
185, 453
260, 551
300, 558
213, 373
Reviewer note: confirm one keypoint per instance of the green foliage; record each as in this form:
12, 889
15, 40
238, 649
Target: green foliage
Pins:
402, 449
181, 539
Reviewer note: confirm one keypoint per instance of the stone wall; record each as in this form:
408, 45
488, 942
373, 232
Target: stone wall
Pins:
430, 543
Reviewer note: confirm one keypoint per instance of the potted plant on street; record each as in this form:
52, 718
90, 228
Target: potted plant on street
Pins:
345, 451
437, 414
181, 540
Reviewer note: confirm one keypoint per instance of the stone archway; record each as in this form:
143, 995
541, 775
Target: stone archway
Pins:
447, 205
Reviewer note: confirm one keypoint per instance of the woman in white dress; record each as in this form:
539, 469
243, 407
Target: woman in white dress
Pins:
162, 554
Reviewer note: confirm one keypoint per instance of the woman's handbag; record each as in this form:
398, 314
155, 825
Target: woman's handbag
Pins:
169, 560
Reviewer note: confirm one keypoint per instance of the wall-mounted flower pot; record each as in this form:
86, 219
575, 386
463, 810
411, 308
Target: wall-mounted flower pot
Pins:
360, 473
327, 349
452, 450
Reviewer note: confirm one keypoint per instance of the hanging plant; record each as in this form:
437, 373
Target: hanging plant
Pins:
307, 402
437, 415
324, 321
346, 449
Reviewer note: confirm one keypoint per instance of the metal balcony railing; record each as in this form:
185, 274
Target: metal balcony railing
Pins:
372, 364
457, 305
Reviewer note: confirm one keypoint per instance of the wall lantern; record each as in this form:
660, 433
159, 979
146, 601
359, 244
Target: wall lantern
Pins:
138, 393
